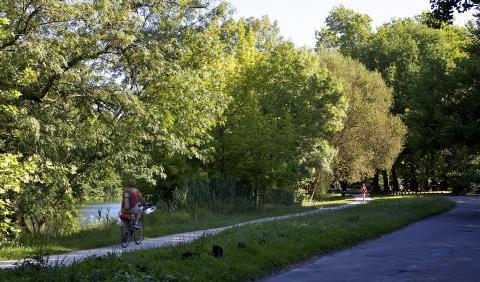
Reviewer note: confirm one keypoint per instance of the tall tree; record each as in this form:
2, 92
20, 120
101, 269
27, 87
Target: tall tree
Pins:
416, 62
345, 30
371, 137
90, 88
443, 10
284, 108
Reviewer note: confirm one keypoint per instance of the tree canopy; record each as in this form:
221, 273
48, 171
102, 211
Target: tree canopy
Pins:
172, 92
443, 10
90, 88
371, 137
420, 63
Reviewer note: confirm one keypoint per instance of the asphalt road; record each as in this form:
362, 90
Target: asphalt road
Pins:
441, 248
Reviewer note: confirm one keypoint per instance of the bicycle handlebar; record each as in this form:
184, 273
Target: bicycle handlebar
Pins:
146, 205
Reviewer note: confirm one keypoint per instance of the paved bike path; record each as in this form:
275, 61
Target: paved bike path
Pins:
441, 248
169, 240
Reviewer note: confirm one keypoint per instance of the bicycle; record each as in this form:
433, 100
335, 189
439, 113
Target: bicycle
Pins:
127, 231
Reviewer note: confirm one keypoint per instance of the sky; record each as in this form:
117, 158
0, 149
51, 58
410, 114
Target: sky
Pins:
299, 19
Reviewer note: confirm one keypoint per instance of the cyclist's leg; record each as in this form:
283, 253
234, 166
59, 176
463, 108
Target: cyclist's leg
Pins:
139, 216
136, 211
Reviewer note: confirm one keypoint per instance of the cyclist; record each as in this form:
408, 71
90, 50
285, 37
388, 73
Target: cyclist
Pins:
130, 198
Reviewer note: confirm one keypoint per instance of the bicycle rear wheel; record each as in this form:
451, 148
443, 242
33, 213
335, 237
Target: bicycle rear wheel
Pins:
125, 234
138, 233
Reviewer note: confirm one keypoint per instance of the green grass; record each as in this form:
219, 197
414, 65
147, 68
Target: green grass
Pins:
157, 224
269, 246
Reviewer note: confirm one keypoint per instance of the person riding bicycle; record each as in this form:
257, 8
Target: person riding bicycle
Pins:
130, 198
363, 191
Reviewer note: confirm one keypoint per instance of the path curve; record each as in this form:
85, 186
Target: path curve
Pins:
441, 248
158, 242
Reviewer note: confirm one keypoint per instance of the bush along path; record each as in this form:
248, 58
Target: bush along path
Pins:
158, 242
250, 251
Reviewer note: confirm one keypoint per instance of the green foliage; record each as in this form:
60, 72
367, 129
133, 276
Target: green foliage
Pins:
98, 92
443, 10
430, 71
462, 103
346, 30
13, 173
284, 107
90, 88
371, 137
95, 92
417, 62
223, 195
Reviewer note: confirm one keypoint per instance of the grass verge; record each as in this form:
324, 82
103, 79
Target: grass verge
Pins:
159, 223
250, 251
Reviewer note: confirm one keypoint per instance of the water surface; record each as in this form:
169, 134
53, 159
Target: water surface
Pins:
91, 213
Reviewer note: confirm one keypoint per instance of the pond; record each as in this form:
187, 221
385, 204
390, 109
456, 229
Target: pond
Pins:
91, 213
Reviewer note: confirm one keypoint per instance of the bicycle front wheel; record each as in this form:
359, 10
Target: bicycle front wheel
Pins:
138, 233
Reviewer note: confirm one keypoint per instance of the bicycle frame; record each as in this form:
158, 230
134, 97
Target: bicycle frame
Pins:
126, 235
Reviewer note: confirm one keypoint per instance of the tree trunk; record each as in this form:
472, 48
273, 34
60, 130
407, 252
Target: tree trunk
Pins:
375, 185
395, 186
428, 162
41, 226
386, 187
221, 150
344, 187
413, 183
314, 188
32, 230
444, 184
312, 194
425, 183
